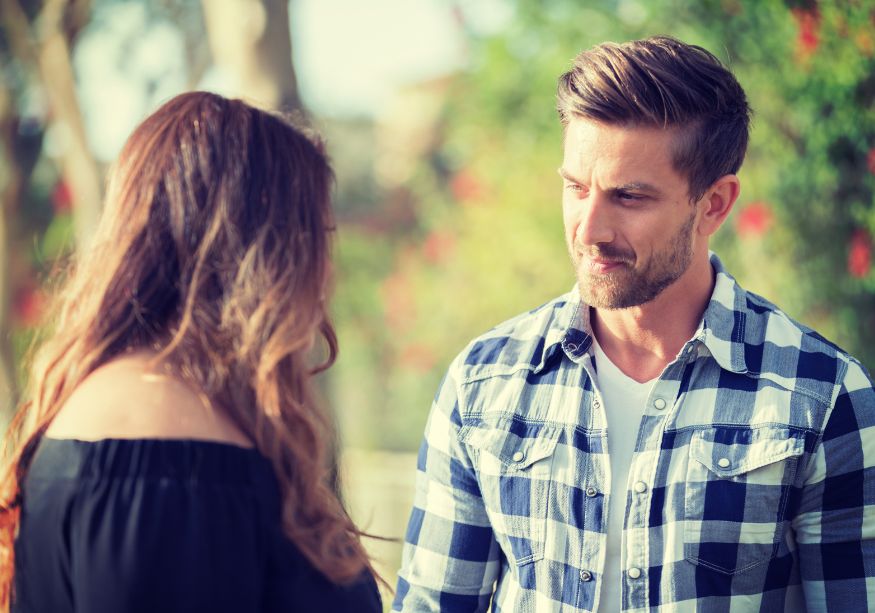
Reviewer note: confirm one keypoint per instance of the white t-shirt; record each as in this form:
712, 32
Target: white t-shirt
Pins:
624, 401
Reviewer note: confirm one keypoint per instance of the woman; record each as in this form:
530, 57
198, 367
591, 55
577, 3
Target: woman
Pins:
171, 456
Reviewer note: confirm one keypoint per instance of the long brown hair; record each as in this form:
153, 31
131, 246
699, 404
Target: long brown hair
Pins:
214, 251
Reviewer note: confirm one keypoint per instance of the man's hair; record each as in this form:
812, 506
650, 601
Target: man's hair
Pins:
662, 82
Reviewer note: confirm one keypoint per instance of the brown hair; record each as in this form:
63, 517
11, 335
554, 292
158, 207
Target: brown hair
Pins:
663, 82
214, 251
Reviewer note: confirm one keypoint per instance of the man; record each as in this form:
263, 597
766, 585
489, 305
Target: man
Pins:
658, 438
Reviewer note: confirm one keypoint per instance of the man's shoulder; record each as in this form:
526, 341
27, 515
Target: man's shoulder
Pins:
749, 334
521, 342
776, 343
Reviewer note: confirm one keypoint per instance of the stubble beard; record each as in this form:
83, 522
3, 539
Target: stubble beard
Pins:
627, 287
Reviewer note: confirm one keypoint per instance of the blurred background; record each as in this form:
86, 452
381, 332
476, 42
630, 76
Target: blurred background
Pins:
440, 121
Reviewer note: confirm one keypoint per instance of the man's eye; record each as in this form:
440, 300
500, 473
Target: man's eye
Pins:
573, 187
629, 197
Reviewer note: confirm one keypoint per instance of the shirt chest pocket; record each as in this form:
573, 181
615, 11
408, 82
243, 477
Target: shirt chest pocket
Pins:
738, 482
514, 461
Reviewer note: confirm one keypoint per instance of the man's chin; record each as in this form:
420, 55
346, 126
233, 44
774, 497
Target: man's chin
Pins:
600, 297
604, 304
614, 295
603, 284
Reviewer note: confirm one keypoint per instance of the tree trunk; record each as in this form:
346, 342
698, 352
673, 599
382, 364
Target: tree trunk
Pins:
78, 166
251, 43
43, 50
9, 198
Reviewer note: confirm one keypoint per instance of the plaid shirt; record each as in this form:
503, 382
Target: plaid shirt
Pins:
751, 487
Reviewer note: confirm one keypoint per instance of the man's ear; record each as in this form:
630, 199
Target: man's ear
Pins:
717, 203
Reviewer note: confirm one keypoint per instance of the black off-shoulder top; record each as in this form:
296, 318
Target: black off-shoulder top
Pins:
157, 525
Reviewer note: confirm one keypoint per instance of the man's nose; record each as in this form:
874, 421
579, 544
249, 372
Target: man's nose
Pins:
595, 224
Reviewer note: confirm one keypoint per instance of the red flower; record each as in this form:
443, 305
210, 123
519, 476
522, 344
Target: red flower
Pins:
754, 220
28, 305
438, 246
466, 187
864, 41
808, 38
418, 358
870, 160
62, 197
860, 254
398, 302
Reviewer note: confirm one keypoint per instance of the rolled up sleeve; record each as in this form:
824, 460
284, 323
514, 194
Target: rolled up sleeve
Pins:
450, 560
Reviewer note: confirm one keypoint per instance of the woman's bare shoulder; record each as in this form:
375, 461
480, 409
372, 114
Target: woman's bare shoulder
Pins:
127, 398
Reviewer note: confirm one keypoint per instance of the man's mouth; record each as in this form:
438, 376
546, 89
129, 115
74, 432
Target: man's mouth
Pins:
601, 266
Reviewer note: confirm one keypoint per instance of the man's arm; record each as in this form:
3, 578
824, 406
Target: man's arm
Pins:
835, 527
451, 559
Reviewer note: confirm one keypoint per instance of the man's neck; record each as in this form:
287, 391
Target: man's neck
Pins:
641, 341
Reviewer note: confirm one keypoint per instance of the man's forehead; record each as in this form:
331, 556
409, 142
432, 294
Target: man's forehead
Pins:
588, 142
616, 137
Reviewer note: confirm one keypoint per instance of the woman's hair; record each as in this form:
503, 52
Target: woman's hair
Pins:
214, 252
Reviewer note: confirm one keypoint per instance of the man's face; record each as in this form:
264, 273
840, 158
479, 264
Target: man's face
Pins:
629, 223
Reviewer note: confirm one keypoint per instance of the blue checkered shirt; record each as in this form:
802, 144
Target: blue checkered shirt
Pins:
751, 487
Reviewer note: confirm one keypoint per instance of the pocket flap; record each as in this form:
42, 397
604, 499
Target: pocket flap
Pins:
728, 452
516, 443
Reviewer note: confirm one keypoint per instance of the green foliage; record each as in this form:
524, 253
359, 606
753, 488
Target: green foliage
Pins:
490, 244
811, 158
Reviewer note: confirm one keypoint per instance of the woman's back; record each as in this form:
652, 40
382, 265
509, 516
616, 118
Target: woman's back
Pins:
140, 498
129, 398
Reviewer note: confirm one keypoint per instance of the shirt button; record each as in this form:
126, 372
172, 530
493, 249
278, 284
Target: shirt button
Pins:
640, 487
659, 403
596, 404
585, 575
591, 491
723, 462
518, 456
634, 573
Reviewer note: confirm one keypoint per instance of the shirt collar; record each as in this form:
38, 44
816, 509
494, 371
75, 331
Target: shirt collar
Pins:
721, 331
569, 331
725, 320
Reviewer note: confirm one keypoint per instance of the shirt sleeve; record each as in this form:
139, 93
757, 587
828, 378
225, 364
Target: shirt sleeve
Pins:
450, 560
835, 527
170, 545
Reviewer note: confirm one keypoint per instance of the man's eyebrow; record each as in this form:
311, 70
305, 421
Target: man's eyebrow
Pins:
568, 176
635, 186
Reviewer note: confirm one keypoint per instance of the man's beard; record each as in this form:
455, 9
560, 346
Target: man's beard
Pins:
626, 287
